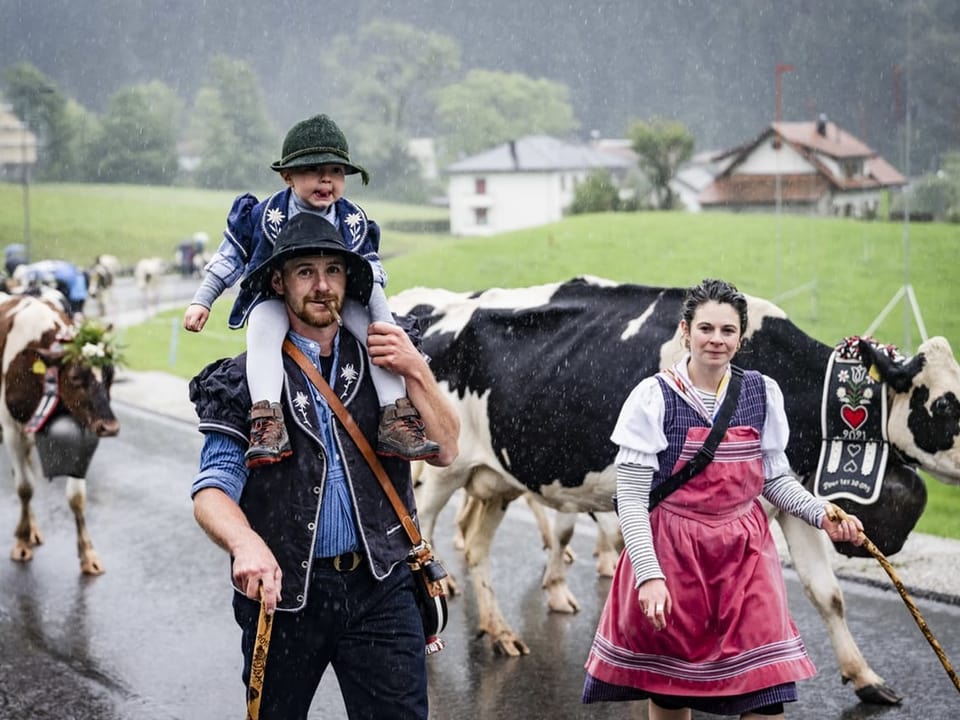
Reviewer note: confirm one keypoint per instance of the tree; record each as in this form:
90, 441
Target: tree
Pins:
138, 136
595, 194
39, 103
488, 108
384, 82
662, 146
83, 130
230, 122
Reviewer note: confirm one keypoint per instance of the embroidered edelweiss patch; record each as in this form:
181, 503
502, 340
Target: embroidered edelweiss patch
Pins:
349, 373
275, 217
301, 402
353, 219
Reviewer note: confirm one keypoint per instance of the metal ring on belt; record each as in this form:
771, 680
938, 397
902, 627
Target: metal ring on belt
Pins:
345, 562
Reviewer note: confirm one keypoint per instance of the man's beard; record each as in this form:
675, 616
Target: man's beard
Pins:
312, 314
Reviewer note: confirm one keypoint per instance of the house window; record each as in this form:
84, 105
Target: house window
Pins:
480, 186
479, 216
563, 183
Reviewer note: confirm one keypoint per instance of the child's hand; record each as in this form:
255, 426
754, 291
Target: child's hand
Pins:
195, 318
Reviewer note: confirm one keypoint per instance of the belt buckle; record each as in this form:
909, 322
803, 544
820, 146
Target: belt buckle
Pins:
354, 562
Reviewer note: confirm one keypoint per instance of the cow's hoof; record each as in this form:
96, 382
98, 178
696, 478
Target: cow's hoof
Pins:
21, 552
881, 694
91, 565
510, 645
607, 564
561, 600
451, 587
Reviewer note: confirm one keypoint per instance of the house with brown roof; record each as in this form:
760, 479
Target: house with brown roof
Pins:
802, 167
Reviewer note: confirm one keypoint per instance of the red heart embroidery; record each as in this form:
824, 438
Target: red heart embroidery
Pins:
853, 417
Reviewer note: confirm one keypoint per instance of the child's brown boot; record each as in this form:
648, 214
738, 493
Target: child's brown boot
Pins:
401, 433
269, 442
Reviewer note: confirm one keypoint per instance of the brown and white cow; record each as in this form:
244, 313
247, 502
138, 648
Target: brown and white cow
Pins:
35, 352
539, 375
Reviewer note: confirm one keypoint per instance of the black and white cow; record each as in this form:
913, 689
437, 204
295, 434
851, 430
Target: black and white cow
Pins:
539, 375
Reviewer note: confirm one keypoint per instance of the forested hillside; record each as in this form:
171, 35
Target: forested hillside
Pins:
708, 64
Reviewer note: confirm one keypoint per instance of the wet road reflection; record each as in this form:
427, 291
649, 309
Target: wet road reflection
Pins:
154, 638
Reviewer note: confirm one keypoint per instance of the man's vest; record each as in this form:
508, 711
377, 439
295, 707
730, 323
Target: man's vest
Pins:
282, 500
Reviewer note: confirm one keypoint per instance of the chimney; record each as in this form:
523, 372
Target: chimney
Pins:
822, 124
513, 154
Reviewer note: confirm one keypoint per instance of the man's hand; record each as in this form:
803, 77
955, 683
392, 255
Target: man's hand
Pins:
253, 564
390, 348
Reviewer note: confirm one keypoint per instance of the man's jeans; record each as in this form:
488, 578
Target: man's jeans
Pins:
369, 631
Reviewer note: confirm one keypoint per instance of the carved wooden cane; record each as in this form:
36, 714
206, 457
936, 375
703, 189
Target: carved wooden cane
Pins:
258, 663
837, 514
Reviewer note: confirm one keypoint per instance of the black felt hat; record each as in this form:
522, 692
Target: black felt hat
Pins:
317, 141
309, 234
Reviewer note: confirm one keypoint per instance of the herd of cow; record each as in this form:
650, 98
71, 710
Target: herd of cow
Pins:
538, 376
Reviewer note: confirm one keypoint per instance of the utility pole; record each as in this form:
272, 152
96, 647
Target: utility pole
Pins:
780, 69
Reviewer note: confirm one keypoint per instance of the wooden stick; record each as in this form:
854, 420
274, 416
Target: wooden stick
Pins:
837, 514
258, 663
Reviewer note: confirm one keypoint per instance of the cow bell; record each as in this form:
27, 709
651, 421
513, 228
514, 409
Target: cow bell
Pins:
65, 447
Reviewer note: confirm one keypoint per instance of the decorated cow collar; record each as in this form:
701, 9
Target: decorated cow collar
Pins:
91, 345
855, 449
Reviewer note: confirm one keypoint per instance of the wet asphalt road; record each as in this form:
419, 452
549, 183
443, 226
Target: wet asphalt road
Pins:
154, 638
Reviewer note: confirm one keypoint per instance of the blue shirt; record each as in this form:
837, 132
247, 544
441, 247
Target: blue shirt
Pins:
222, 466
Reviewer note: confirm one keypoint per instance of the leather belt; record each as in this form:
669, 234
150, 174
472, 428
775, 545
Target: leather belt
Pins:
345, 562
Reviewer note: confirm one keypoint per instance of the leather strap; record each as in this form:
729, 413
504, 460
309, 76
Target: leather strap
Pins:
704, 455
360, 440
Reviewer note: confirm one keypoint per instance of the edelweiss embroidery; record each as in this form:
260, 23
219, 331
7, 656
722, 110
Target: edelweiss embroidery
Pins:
349, 376
353, 220
275, 217
301, 402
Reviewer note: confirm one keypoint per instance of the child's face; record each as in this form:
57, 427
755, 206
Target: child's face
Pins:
319, 186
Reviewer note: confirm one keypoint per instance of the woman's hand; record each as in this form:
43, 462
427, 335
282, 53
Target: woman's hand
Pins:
841, 527
655, 602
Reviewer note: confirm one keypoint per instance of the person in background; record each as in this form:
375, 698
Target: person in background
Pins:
315, 536
314, 164
696, 617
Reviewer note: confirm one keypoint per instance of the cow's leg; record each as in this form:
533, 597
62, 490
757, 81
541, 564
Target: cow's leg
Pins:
609, 543
559, 597
433, 489
485, 516
27, 534
547, 533
77, 500
811, 552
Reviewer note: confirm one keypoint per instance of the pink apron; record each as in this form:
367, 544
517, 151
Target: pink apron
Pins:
730, 632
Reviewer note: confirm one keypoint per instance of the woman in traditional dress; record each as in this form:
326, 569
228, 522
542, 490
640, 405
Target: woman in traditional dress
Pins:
697, 617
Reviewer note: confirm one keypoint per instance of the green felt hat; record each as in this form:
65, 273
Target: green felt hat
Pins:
317, 141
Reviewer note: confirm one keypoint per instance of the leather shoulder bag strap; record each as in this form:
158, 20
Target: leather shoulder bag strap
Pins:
706, 452
359, 438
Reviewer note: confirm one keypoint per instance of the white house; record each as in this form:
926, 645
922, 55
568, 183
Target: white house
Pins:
813, 167
522, 183
18, 146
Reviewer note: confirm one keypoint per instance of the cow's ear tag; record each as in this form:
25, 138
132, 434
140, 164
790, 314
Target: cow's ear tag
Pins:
874, 372
39, 367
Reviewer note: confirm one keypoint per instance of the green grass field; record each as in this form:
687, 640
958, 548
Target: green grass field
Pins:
77, 222
834, 277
